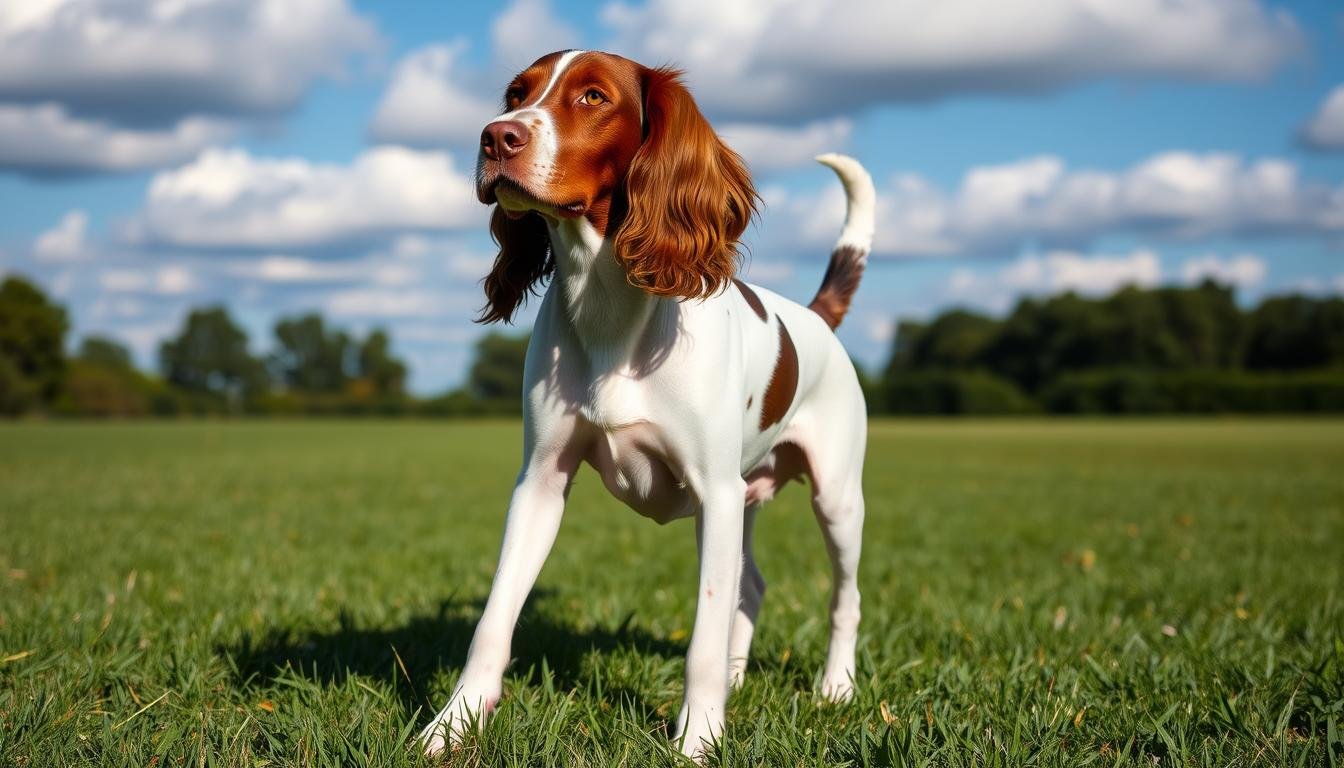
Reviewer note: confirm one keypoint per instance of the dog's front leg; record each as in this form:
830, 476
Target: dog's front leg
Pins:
719, 536
529, 531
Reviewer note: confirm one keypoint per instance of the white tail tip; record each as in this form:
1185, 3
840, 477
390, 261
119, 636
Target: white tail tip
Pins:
860, 198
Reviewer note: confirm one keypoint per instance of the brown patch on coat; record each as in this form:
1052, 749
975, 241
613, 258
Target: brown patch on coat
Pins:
838, 286
752, 300
783, 381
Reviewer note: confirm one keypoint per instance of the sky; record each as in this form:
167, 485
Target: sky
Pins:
287, 156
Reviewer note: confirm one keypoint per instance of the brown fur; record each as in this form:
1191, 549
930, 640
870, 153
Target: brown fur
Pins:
524, 260
752, 299
838, 286
783, 381
688, 198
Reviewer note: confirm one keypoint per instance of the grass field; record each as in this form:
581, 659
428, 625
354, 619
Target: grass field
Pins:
1051, 593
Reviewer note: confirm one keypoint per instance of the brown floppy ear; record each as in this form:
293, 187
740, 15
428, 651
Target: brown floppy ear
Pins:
524, 260
688, 198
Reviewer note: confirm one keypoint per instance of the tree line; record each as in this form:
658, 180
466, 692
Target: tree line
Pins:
208, 367
1159, 350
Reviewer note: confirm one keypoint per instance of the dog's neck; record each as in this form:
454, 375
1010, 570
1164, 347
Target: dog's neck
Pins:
608, 315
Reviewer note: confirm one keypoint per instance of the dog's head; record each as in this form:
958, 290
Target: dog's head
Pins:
599, 137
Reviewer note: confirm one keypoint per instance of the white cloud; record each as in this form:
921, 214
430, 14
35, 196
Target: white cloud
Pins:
281, 270
230, 199
797, 59
144, 338
430, 102
162, 60
998, 209
66, 241
774, 147
1325, 129
1319, 286
387, 303
1243, 270
166, 280
997, 289
1054, 272
526, 31
434, 99
113, 308
44, 139
879, 329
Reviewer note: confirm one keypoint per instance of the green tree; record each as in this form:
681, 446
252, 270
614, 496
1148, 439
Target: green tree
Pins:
100, 350
102, 381
377, 365
209, 356
497, 372
309, 357
1294, 332
32, 346
954, 340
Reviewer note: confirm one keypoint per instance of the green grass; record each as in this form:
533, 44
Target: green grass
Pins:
1052, 593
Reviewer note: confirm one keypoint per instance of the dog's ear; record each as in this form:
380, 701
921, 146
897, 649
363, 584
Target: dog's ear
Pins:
524, 260
688, 198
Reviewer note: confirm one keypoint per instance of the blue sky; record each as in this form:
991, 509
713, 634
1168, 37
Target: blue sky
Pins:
291, 155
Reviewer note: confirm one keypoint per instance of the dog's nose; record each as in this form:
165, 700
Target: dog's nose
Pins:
503, 139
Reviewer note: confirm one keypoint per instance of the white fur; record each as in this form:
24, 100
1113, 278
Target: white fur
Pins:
647, 390
861, 197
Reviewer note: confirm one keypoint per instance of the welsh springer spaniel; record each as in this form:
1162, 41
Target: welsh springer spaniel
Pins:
691, 393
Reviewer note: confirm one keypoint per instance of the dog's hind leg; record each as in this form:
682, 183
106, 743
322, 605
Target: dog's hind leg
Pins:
835, 458
840, 514
752, 592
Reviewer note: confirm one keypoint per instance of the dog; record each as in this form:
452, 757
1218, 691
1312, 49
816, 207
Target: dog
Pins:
690, 392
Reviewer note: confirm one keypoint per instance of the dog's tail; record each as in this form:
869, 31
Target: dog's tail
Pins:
856, 239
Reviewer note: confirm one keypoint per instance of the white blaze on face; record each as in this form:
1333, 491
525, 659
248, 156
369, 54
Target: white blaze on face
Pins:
544, 142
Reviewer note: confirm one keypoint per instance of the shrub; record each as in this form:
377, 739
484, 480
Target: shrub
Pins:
954, 392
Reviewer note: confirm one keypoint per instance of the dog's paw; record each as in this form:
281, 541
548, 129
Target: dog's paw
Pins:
434, 739
451, 724
838, 690
737, 673
695, 736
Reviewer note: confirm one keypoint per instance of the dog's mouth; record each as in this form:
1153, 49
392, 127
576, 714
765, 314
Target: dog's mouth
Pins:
517, 201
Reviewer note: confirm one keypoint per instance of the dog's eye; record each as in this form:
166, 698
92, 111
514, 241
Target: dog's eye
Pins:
513, 97
592, 97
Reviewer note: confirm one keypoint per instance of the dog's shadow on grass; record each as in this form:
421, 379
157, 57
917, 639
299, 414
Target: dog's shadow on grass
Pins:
417, 649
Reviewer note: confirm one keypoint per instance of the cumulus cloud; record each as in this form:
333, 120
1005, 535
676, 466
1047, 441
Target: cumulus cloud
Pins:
44, 140
1318, 286
64, 242
286, 271
434, 99
158, 61
528, 30
1243, 271
228, 199
1325, 129
107, 86
165, 280
1054, 272
768, 147
429, 102
998, 209
381, 303
997, 288
796, 60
